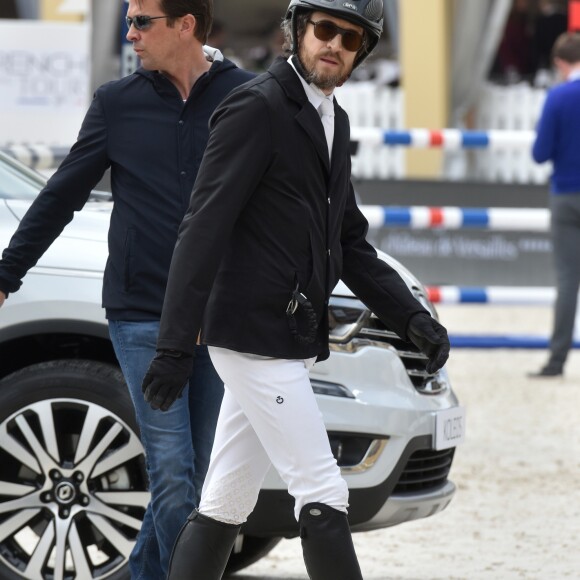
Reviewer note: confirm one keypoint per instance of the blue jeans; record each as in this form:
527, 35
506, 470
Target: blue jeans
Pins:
177, 444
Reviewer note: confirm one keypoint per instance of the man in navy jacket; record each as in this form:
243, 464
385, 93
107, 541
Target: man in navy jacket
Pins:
558, 140
272, 226
151, 129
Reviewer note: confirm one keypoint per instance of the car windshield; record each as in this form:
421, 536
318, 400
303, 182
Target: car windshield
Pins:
17, 182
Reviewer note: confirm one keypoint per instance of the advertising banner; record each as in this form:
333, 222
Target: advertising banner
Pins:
467, 256
44, 81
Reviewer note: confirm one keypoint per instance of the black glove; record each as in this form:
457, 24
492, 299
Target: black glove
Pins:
430, 338
166, 378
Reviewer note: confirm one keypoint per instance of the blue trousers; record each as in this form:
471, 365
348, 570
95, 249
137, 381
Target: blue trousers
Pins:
177, 444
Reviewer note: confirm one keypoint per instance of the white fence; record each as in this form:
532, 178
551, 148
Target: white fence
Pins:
369, 105
504, 108
516, 108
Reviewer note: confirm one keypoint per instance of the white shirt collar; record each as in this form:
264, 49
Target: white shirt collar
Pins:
574, 75
314, 94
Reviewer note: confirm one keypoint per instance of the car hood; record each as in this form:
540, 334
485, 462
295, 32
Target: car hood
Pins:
92, 223
412, 282
82, 246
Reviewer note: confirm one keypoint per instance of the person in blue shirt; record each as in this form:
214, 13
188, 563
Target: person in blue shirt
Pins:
558, 141
151, 129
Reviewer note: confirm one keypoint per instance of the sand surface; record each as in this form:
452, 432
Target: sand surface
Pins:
516, 514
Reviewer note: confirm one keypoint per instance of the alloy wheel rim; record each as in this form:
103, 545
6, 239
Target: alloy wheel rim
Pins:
73, 490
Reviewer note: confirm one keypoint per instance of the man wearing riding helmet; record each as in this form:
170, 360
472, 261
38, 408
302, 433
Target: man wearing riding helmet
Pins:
272, 226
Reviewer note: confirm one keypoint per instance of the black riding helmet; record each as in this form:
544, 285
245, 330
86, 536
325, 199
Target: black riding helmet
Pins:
365, 13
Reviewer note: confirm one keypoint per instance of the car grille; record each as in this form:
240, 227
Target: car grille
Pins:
353, 326
415, 362
425, 470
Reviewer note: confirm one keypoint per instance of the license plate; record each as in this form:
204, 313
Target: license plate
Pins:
449, 428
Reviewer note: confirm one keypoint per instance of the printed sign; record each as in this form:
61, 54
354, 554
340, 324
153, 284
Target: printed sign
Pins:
44, 81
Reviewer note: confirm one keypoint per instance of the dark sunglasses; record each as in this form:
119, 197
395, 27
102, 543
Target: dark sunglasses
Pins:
325, 30
141, 22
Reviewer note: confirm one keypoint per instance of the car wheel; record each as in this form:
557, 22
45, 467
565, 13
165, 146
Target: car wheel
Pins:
248, 550
73, 485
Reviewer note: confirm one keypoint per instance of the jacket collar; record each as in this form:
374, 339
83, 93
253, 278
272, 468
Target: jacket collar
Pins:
314, 95
288, 80
308, 118
166, 88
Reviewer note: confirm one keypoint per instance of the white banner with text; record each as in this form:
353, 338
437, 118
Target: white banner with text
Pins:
44, 81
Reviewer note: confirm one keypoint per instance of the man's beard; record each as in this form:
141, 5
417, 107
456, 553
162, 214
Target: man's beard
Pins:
322, 81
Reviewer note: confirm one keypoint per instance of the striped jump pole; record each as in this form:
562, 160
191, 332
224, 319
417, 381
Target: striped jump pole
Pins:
498, 295
501, 341
37, 156
449, 139
513, 295
423, 217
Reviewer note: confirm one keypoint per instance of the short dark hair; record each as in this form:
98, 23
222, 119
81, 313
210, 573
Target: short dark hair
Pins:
201, 9
567, 47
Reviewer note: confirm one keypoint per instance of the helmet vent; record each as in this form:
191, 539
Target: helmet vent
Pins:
374, 10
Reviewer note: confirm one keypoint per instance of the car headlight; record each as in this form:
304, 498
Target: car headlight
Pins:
331, 389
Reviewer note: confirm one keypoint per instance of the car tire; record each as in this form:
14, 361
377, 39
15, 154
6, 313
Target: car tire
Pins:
73, 485
252, 549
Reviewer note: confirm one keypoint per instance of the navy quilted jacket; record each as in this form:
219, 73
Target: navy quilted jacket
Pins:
153, 142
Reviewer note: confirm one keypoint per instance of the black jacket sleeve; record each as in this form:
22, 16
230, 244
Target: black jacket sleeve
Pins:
376, 283
66, 192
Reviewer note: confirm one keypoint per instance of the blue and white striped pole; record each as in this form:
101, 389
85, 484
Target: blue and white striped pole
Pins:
501, 341
449, 139
507, 295
37, 156
423, 217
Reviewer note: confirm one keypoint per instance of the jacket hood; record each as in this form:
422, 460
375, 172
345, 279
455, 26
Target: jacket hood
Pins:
212, 54
219, 64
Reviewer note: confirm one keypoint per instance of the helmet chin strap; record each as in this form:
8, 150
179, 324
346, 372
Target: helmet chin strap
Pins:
298, 66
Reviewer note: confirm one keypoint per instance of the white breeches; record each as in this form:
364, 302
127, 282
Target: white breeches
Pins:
268, 416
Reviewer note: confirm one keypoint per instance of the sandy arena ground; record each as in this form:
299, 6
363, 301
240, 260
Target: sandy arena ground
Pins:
516, 514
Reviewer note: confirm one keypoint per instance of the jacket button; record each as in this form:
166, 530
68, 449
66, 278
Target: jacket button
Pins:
183, 174
181, 122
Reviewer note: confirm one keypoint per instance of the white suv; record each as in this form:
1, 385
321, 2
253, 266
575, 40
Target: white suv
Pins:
73, 486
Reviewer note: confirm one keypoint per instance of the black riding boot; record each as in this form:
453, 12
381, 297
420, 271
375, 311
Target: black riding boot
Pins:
202, 549
327, 544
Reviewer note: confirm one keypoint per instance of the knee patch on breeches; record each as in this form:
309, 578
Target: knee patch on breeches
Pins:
231, 498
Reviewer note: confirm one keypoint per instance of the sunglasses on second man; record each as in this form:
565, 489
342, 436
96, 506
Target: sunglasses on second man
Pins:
141, 22
325, 30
